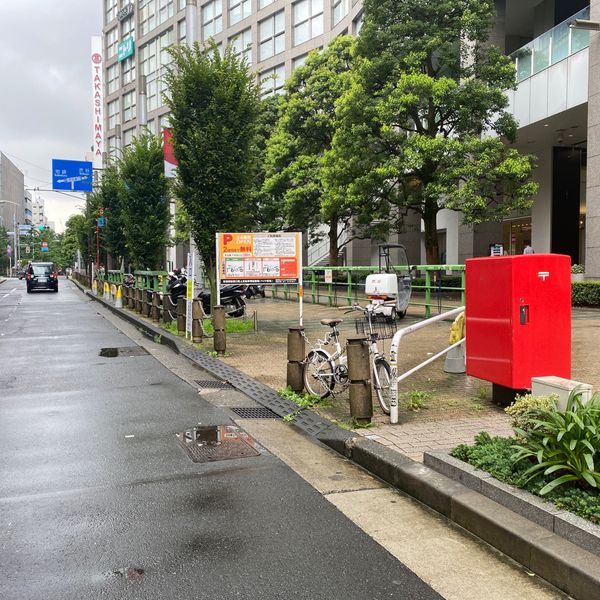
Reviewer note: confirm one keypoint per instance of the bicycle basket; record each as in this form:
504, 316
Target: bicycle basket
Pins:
383, 327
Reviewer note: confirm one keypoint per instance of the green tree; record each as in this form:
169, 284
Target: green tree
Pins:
214, 104
145, 206
424, 125
111, 195
73, 239
295, 162
4, 258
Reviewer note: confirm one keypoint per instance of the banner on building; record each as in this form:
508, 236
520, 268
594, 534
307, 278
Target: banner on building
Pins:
169, 154
98, 101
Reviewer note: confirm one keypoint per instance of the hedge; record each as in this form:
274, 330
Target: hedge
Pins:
585, 293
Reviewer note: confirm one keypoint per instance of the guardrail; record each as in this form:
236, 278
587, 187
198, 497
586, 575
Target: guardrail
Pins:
146, 280
348, 284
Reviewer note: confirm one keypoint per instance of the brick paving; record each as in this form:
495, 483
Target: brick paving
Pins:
456, 407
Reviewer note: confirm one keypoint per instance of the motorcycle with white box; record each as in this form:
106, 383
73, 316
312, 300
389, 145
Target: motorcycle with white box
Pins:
389, 290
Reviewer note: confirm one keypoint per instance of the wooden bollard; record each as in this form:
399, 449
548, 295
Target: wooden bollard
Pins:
147, 303
359, 374
167, 308
197, 314
155, 307
219, 338
295, 357
181, 306
138, 300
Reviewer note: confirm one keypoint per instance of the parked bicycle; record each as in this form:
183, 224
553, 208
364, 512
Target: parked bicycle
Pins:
323, 371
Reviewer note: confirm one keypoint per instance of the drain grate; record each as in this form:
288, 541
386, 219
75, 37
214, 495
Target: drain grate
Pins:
212, 384
220, 442
259, 412
124, 351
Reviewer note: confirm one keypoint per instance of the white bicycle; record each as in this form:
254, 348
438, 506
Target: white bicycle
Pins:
323, 371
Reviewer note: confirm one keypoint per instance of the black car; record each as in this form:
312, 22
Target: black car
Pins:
42, 276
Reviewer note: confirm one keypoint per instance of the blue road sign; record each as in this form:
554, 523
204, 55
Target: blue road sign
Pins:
100, 221
45, 249
72, 175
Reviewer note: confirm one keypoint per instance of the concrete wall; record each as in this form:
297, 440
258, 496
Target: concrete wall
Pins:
592, 241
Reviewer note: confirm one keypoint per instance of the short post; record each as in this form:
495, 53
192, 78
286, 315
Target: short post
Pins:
295, 356
359, 374
167, 307
181, 306
220, 342
197, 314
95, 287
119, 298
138, 300
147, 306
155, 307
130, 298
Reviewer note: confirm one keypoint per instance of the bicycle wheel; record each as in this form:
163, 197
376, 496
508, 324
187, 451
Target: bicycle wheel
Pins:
382, 376
318, 374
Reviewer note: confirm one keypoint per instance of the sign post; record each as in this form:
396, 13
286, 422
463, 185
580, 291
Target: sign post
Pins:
72, 175
260, 258
190, 293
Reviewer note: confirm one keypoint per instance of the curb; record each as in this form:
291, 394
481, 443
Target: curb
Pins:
555, 559
564, 523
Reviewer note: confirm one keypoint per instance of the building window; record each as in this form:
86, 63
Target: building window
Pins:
163, 122
128, 70
165, 10
111, 10
299, 61
271, 33
238, 10
340, 9
112, 108
358, 23
112, 41
212, 19
263, 3
272, 81
127, 28
181, 32
242, 45
308, 20
128, 137
128, 106
150, 126
153, 59
147, 16
112, 79
181, 4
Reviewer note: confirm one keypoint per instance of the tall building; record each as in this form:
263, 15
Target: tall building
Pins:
12, 189
38, 212
556, 102
274, 35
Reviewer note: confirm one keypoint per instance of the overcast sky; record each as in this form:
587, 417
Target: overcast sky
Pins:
46, 89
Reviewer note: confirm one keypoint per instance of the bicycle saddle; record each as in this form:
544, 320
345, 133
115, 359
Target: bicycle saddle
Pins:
331, 322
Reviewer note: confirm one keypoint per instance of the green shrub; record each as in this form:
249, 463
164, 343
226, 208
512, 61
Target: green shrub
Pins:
585, 293
447, 282
577, 269
525, 409
564, 444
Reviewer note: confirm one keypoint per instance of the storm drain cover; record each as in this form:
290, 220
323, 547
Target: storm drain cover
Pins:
124, 351
217, 442
259, 412
212, 384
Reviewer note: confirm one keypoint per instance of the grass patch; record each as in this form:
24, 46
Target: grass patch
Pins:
302, 400
417, 399
231, 326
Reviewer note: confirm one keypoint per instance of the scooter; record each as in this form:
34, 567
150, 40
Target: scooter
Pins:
176, 288
232, 298
255, 290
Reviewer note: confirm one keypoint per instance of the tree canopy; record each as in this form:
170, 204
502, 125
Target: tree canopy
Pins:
424, 124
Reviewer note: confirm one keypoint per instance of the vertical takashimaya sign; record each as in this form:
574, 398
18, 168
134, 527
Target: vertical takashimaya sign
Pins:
98, 100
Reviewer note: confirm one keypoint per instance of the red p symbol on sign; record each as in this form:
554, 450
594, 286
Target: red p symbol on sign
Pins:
227, 238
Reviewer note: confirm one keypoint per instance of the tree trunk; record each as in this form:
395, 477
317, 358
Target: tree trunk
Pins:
432, 250
334, 252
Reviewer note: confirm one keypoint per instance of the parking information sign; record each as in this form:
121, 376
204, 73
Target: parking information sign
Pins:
72, 175
261, 258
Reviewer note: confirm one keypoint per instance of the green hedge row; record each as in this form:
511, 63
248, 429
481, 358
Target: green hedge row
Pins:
447, 282
585, 293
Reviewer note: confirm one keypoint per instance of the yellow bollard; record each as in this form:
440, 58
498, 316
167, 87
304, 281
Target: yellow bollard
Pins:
118, 298
106, 291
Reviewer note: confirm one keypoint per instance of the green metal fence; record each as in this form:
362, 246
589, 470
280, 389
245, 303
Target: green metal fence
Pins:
348, 285
146, 280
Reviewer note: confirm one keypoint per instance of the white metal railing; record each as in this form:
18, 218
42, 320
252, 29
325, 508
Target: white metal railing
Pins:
551, 47
398, 336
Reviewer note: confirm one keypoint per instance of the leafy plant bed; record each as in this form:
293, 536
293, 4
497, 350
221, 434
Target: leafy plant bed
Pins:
487, 467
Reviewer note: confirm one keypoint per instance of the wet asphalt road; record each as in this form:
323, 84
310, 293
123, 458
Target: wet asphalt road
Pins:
95, 489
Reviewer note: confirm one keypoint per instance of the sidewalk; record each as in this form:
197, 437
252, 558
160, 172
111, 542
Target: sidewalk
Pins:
455, 407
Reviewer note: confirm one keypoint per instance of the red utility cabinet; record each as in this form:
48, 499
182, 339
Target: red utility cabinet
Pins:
518, 318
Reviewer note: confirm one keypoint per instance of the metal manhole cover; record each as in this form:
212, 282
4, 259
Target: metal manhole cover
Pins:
124, 351
214, 384
217, 442
255, 412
